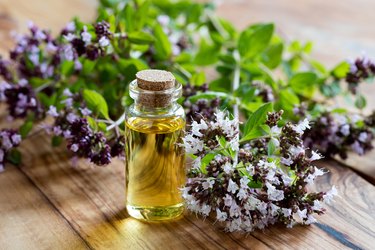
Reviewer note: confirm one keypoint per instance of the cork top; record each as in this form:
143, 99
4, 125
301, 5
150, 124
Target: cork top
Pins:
155, 80
154, 88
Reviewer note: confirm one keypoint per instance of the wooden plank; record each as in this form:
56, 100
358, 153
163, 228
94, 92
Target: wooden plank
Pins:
51, 15
92, 199
28, 219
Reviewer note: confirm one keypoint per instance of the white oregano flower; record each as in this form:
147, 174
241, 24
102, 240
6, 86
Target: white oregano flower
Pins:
302, 126
86, 36
104, 41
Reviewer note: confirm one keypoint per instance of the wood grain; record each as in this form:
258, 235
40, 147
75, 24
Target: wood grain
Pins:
51, 15
28, 219
92, 199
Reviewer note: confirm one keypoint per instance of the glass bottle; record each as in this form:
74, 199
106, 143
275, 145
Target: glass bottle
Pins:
155, 161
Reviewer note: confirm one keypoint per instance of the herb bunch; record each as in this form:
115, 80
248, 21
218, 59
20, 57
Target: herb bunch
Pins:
81, 76
232, 179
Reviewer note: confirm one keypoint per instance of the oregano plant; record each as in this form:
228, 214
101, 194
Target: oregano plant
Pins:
256, 171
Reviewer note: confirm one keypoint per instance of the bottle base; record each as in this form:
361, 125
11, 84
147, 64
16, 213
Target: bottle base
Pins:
155, 213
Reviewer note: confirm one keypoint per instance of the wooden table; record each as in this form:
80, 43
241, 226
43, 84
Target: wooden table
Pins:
47, 204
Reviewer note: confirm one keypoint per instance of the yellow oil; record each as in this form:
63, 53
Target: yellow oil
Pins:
154, 168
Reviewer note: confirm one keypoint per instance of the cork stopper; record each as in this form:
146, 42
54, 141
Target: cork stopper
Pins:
156, 83
155, 80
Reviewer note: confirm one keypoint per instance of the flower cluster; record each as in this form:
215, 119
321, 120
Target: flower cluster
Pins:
38, 55
336, 134
82, 42
20, 98
248, 190
202, 108
81, 139
360, 69
264, 91
9, 139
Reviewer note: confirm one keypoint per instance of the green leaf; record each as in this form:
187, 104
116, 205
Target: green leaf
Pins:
250, 106
128, 15
222, 84
163, 47
67, 68
360, 102
208, 158
26, 128
341, 70
96, 102
208, 95
304, 83
288, 99
308, 47
255, 40
252, 129
198, 79
56, 141
183, 58
319, 67
92, 123
271, 147
227, 59
228, 27
140, 37
255, 133
255, 184
273, 55
246, 91
265, 128
112, 23
205, 161
88, 66
295, 46
14, 156
207, 54
331, 90
222, 141
130, 66
258, 117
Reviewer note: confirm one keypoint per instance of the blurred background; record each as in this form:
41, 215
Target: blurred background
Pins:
339, 28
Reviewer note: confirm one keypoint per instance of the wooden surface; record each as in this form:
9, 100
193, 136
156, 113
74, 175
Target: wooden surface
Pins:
47, 204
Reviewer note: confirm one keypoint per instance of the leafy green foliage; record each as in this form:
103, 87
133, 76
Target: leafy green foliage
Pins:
26, 128
341, 70
360, 102
255, 40
253, 69
96, 102
140, 37
163, 46
14, 156
252, 127
304, 83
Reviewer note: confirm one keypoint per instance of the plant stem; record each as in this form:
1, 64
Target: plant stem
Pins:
46, 85
216, 23
235, 85
116, 123
236, 81
182, 70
